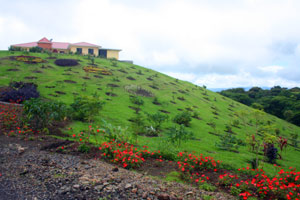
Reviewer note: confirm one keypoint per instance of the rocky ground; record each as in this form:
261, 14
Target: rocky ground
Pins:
29, 171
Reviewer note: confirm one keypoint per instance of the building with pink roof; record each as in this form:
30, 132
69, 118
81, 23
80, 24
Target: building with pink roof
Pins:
83, 48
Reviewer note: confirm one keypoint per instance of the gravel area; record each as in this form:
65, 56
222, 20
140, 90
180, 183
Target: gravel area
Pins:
27, 172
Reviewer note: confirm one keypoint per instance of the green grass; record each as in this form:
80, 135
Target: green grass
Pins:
117, 112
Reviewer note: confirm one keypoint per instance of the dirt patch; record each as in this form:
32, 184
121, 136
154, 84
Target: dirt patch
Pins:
86, 78
37, 71
164, 111
154, 87
49, 86
149, 79
173, 102
111, 94
155, 167
123, 71
181, 98
13, 70
136, 109
53, 95
97, 76
69, 81
130, 78
112, 85
59, 92
30, 77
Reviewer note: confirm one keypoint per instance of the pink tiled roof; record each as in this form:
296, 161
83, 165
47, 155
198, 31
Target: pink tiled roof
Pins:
44, 40
85, 44
60, 45
30, 44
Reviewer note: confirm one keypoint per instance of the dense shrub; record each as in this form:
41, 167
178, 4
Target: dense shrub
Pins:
20, 92
177, 135
42, 113
84, 108
271, 153
66, 62
137, 100
183, 118
11, 48
36, 49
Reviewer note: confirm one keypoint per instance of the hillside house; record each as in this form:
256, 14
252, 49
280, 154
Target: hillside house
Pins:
83, 48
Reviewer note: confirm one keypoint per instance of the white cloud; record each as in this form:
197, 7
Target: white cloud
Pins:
216, 39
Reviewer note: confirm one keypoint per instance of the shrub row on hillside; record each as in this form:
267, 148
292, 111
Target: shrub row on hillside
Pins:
66, 62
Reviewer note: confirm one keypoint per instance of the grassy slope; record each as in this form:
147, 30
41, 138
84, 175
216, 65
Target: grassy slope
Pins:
116, 110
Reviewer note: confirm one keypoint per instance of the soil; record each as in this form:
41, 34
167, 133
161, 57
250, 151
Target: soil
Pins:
69, 81
13, 70
37, 71
30, 77
111, 94
40, 169
112, 85
59, 92
97, 76
164, 111
131, 78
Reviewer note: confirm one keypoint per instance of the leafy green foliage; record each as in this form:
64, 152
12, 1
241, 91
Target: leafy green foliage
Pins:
137, 100
36, 49
84, 148
177, 135
278, 101
43, 113
228, 142
85, 108
157, 119
183, 118
116, 133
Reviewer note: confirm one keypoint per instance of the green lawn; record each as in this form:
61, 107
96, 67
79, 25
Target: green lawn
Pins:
116, 109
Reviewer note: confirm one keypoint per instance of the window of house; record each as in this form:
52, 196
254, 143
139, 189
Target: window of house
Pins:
91, 51
79, 50
61, 52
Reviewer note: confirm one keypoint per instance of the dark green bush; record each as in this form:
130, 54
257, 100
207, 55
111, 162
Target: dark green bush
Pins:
183, 118
177, 135
36, 49
137, 100
84, 108
42, 113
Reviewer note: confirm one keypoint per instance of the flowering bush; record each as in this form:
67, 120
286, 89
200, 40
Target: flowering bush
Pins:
126, 154
29, 59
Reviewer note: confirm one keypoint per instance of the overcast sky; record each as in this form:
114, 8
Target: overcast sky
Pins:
217, 43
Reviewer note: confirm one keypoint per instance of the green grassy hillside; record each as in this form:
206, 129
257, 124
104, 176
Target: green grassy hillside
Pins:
62, 83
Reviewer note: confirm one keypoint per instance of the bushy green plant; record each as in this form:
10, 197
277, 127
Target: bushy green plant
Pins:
43, 113
183, 118
207, 187
36, 49
157, 119
117, 133
235, 191
137, 100
228, 142
177, 135
84, 148
85, 108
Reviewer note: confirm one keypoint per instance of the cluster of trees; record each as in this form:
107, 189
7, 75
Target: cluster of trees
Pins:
281, 102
